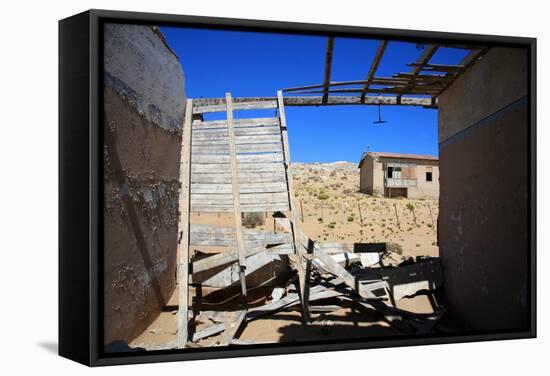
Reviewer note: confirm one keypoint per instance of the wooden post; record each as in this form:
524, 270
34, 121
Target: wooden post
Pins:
236, 198
304, 296
302, 210
360, 214
431, 217
183, 228
396, 216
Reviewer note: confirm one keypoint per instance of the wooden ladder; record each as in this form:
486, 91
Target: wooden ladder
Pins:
234, 166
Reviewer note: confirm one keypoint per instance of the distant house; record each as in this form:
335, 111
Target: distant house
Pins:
399, 175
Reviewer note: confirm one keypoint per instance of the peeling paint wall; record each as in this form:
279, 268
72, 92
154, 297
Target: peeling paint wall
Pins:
483, 130
144, 103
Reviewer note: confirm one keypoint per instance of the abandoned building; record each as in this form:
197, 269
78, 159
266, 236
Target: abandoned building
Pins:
399, 175
165, 164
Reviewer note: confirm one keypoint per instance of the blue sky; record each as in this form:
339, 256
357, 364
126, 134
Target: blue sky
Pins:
258, 64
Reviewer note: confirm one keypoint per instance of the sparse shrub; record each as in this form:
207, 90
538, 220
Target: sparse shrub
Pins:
322, 196
251, 220
350, 218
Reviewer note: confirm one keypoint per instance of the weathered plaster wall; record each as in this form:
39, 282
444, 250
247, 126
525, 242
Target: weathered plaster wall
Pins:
144, 101
366, 182
372, 177
483, 120
424, 188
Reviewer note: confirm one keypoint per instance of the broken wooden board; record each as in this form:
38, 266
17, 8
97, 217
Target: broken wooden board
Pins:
407, 280
226, 276
231, 328
316, 293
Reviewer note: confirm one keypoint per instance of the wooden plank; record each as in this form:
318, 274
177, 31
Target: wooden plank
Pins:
245, 198
206, 148
424, 58
374, 66
220, 142
240, 148
244, 208
183, 229
248, 187
229, 239
317, 292
210, 229
294, 223
258, 139
240, 158
439, 67
251, 105
262, 177
237, 123
275, 167
272, 187
251, 208
333, 267
328, 68
218, 178
252, 198
260, 148
236, 199
242, 167
353, 247
198, 188
215, 134
340, 100
231, 328
231, 274
269, 237
226, 257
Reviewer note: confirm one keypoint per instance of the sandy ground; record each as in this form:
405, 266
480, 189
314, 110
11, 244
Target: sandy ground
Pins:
333, 211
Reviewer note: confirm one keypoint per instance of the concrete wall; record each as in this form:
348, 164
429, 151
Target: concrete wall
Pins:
483, 120
144, 103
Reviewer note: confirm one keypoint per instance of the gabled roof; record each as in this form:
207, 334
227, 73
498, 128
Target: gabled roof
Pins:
399, 156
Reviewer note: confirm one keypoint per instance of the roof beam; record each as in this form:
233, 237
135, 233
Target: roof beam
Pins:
328, 67
424, 89
318, 101
374, 66
427, 54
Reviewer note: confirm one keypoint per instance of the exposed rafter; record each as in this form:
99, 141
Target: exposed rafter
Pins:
328, 67
427, 54
424, 79
374, 66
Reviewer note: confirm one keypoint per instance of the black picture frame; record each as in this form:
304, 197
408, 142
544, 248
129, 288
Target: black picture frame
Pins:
80, 192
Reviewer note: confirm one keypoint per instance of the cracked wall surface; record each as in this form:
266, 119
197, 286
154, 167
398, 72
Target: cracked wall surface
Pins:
144, 101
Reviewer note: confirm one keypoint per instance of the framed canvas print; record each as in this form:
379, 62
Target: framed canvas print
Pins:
241, 187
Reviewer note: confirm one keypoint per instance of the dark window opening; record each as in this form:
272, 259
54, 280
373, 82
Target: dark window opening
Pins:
394, 172
428, 176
